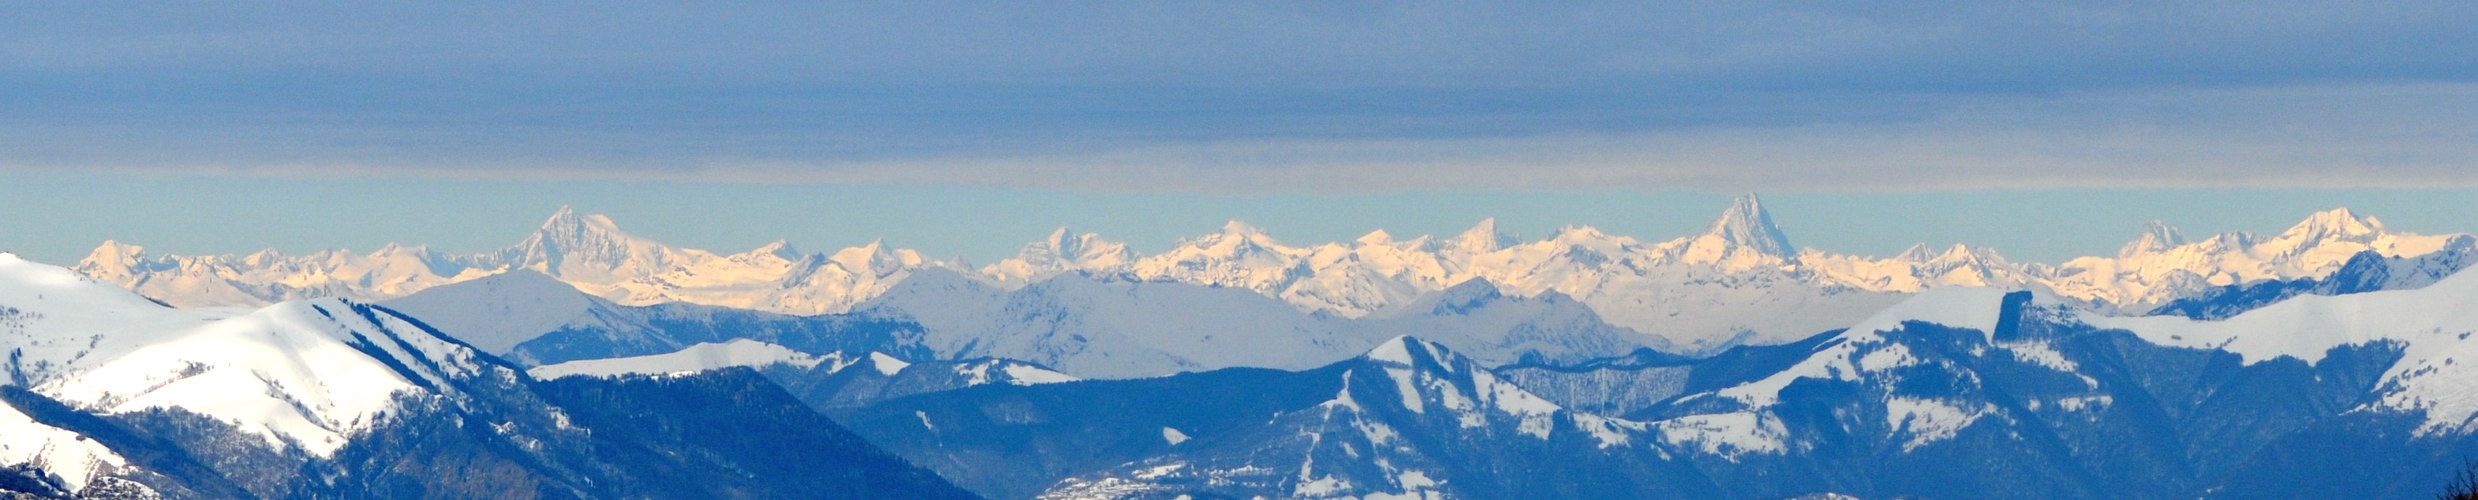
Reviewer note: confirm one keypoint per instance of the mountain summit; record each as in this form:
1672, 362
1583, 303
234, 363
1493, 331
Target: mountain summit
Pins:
2156, 237
570, 242
1747, 224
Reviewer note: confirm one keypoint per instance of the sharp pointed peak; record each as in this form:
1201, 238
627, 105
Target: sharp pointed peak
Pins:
1483, 236
2335, 222
113, 252
1966, 251
2156, 236
1377, 237
118, 246
1918, 252
1747, 224
779, 248
568, 220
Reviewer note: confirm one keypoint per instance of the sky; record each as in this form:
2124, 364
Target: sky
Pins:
968, 128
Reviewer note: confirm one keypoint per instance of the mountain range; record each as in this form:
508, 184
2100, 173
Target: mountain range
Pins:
2321, 363
1738, 282
111, 395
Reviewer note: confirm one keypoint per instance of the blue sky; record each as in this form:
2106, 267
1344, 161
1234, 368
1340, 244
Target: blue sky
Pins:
967, 128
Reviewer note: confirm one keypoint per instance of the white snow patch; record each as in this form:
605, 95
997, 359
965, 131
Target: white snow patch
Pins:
1397, 350
693, 359
1728, 435
2094, 403
2040, 353
69, 457
1973, 308
887, 365
1416, 485
1926, 421
1406, 382
1032, 375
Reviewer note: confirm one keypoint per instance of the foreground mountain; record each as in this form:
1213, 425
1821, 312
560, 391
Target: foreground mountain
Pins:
111, 396
1956, 393
1409, 418
1742, 280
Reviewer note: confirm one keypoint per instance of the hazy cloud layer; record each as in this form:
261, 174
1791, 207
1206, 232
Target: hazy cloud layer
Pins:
1258, 96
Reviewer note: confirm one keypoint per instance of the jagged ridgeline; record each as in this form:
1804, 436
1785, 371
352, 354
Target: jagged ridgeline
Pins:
1740, 281
584, 362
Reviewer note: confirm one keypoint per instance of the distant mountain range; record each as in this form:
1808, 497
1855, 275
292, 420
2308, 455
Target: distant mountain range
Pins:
1741, 281
2319, 363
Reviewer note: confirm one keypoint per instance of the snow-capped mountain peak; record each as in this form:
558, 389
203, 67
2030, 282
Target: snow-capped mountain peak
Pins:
779, 249
2157, 236
2334, 223
114, 261
1397, 350
569, 243
1747, 224
1375, 238
1236, 227
1062, 251
1482, 238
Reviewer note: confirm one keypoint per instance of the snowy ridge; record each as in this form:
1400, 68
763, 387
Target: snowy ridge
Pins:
695, 358
1738, 282
1390, 431
301, 375
1743, 424
71, 459
2434, 326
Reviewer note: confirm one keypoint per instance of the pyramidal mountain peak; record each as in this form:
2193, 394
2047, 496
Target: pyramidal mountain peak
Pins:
2334, 223
779, 248
1747, 224
1377, 237
1242, 228
1236, 236
1482, 237
1918, 252
1965, 253
1060, 238
2157, 236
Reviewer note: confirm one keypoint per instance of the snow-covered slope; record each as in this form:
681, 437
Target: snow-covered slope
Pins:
1410, 420
72, 460
1742, 280
2432, 325
291, 373
112, 395
695, 358
497, 312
